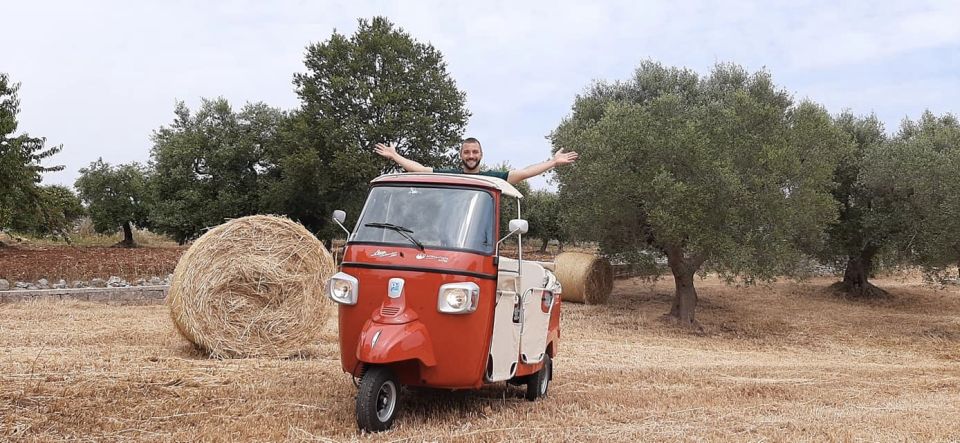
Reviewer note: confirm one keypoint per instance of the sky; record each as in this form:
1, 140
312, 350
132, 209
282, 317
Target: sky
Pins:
98, 77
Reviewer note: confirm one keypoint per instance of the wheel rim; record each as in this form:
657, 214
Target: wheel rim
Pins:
386, 401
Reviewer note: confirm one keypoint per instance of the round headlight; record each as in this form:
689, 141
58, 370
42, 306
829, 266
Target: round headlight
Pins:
457, 298
341, 289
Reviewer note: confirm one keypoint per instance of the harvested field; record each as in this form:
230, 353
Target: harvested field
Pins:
83, 263
53, 262
783, 362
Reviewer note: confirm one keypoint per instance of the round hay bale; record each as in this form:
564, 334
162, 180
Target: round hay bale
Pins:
585, 278
252, 287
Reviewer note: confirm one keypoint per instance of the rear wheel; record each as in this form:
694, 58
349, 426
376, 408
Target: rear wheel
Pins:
538, 382
377, 399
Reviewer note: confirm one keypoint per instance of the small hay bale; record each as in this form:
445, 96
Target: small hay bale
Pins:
252, 287
586, 278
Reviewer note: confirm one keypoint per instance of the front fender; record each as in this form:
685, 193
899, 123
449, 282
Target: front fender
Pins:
384, 343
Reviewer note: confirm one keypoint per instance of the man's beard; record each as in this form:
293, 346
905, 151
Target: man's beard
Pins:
468, 167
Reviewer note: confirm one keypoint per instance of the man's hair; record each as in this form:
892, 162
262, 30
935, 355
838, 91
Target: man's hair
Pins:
471, 140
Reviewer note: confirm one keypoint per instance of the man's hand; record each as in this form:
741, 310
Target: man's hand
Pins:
564, 158
388, 151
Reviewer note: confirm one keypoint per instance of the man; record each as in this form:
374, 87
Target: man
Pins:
470, 155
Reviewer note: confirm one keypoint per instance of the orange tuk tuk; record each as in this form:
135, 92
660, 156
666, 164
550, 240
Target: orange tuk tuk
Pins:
426, 298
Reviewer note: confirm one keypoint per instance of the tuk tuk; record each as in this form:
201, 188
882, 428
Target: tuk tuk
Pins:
426, 298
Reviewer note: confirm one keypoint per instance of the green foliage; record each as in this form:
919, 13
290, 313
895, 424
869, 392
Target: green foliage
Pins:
20, 158
115, 195
864, 220
207, 166
508, 205
723, 171
378, 85
52, 214
544, 212
921, 167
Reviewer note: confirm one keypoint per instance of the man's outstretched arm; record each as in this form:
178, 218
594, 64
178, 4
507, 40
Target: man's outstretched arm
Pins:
390, 151
560, 158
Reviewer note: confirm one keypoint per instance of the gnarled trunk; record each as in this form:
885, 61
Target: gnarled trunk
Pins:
543, 247
127, 241
685, 298
856, 276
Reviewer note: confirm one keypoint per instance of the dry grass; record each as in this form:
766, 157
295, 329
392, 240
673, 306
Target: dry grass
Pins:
785, 362
84, 235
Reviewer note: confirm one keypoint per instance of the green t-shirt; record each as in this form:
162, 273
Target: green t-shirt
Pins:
498, 174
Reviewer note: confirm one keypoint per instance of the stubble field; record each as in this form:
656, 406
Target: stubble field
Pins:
783, 362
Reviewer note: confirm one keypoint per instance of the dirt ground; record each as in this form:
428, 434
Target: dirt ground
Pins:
54, 262
784, 362
84, 263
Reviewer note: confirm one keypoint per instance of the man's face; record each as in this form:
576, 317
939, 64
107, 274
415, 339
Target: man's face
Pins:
470, 156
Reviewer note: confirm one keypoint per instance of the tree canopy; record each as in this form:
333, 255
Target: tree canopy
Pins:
206, 166
544, 212
377, 85
116, 197
920, 166
721, 172
20, 157
871, 215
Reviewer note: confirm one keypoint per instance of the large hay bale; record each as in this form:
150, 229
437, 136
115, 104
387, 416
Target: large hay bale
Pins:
586, 278
253, 286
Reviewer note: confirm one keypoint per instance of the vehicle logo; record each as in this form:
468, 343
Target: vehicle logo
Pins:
422, 256
382, 253
395, 287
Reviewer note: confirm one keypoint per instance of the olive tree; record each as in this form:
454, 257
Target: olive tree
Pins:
920, 167
544, 212
871, 214
721, 172
115, 197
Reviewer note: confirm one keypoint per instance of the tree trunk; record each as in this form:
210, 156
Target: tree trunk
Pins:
543, 247
127, 241
685, 298
856, 276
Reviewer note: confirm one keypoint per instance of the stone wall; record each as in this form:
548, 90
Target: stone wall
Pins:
132, 295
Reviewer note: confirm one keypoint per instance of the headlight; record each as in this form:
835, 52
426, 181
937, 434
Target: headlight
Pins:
458, 298
343, 288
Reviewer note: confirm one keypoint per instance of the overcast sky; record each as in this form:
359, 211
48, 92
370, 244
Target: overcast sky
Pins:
99, 77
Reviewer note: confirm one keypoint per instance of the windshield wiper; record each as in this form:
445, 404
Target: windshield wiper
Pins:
405, 232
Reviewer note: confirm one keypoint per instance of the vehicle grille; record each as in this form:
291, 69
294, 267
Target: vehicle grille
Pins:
389, 311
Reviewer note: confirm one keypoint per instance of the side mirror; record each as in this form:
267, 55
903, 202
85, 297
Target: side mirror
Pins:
516, 226
338, 217
519, 226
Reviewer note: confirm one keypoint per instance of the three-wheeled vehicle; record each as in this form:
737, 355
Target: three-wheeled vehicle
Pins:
426, 299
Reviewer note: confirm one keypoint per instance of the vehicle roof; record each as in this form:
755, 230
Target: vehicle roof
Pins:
451, 179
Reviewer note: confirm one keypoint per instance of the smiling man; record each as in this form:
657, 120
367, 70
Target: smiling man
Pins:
470, 155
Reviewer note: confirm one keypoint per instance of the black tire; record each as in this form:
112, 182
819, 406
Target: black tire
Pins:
378, 399
539, 382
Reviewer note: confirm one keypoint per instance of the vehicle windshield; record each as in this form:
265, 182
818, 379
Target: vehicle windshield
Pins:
445, 218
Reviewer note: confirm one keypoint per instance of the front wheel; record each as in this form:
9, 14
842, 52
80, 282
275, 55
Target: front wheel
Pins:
538, 382
377, 399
